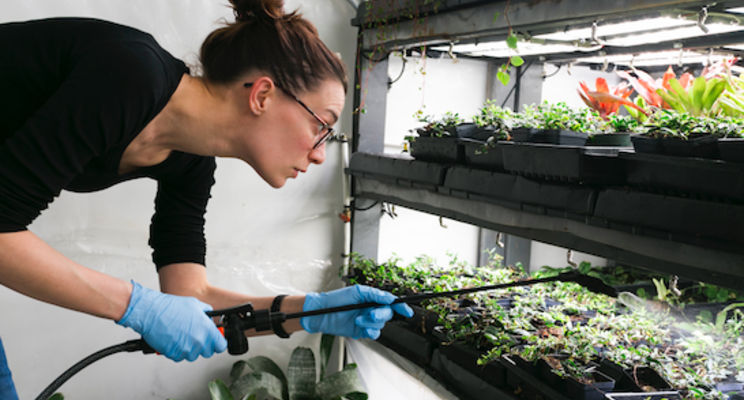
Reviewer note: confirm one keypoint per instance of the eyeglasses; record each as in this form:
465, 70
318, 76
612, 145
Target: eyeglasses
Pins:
325, 131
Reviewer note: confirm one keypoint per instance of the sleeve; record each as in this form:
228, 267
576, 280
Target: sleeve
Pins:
109, 93
177, 228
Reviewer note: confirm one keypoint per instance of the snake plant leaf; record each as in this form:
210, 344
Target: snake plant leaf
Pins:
326, 347
713, 90
219, 391
260, 383
342, 384
301, 374
237, 370
57, 396
265, 364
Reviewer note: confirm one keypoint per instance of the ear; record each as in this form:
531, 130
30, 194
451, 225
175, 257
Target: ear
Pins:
261, 94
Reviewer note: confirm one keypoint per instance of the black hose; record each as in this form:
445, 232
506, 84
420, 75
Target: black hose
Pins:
130, 346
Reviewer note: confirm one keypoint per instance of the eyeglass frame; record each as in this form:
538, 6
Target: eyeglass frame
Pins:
323, 125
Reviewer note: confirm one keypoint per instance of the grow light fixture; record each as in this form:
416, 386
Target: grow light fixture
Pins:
622, 28
659, 58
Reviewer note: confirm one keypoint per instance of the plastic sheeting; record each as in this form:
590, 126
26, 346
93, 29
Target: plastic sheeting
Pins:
387, 375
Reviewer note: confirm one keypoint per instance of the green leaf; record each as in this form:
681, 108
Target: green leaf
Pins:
721, 317
326, 347
219, 391
258, 383
671, 99
696, 94
301, 374
265, 364
713, 91
681, 93
344, 383
511, 41
57, 396
517, 61
503, 77
495, 17
237, 370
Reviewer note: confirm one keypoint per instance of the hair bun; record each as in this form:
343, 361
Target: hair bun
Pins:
251, 10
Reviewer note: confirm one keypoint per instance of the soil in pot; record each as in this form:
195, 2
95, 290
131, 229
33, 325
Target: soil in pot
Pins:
610, 139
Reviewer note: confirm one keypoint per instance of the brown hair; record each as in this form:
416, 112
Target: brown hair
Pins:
264, 38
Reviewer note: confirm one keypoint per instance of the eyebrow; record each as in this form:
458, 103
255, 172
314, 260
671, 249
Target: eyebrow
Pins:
335, 116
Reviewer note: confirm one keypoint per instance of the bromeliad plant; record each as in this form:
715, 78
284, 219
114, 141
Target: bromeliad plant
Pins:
605, 99
267, 381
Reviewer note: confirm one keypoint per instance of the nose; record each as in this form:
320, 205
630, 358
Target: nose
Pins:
318, 155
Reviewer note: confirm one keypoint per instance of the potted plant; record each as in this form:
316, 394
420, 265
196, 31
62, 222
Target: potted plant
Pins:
439, 139
267, 381
552, 123
606, 100
482, 149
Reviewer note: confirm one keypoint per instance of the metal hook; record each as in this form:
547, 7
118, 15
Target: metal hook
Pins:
568, 69
595, 39
710, 58
499, 239
681, 56
605, 64
702, 16
569, 259
450, 52
441, 223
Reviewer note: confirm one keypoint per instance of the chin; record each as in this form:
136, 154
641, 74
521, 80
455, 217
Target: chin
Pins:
277, 183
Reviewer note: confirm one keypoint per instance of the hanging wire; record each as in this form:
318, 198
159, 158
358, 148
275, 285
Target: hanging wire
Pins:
402, 70
366, 208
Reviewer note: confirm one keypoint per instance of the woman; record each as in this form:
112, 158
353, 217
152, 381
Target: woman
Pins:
86, 104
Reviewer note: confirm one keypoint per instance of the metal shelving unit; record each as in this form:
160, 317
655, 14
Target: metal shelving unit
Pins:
666, 249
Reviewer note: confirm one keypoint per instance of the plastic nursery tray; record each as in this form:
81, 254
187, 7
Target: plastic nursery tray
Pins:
520, 193
690, 177
689, 220
671, 395
398, 168
446, 150
551, 136
415, 347
466, 381
598, 165
731, 149
477, 155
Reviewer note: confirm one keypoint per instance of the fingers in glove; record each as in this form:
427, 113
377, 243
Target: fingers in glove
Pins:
403, 309
375, 318
370, 294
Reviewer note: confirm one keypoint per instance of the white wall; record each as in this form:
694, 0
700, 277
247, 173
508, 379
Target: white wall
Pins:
564, 84
261, 240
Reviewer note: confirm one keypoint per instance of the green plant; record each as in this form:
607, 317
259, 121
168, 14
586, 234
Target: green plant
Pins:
267, 381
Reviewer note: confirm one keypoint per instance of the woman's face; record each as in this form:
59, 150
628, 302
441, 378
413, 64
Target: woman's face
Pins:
284, 144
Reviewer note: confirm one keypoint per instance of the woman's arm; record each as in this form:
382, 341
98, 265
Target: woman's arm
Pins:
30, 266
189, 279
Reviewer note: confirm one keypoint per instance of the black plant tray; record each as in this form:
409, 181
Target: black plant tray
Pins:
670, 395
715, 225
628, 380
397, 336
477, 155
702, 146
598, 165
446, 150
465, 381
423, 320
493, 373
398, 168
688, 177
731, 149
551, 136
594, 391
523, 378
520, 193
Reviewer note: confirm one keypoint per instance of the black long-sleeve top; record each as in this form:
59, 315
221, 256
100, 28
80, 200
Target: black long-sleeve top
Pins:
74, 93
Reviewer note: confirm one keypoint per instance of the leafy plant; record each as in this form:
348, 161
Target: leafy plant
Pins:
438, 127
267, 381
606, 99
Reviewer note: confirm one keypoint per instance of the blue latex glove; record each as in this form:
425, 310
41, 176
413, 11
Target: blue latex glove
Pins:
175, 326
365, 323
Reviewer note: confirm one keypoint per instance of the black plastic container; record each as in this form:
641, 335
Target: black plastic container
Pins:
396, 168
465, 381
480, 155
646, 144
464, 130
549, 136
438, 149
699, 146
669, 395
596, 390
415, 347
596, 165
731, 149
685, 176
633, 379
610, 139
493, 373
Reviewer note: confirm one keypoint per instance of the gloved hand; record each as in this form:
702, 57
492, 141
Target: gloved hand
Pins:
364, 323
175, 326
